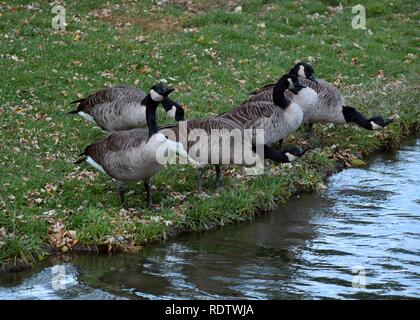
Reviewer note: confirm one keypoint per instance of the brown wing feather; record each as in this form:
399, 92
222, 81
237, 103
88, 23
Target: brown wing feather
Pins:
107, 95
267, 87
118, 141
249, 111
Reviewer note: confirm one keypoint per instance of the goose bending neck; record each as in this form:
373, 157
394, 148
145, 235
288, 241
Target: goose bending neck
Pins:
275, 155
167, 104
151, 107
278, 95
352, 115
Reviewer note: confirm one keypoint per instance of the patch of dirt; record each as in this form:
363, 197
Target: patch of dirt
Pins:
166, 24
132, 16
196, 6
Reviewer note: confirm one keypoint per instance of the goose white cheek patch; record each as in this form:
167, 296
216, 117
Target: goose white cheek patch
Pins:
301, 72
291, 85
291, 157
155, 96
171, 112
375, 126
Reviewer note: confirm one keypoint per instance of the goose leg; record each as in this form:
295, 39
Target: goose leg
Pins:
266, 165
121, 191
200, 172
148, 189
308, 130
218, 177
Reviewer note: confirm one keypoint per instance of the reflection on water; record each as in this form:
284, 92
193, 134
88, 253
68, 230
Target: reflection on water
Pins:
360, 239
56, 282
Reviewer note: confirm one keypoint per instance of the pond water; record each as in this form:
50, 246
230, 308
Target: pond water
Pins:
359, 239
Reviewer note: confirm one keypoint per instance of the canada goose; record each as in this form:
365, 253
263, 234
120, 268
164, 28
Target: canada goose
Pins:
331, 106
132, 155
212, 142
205, 139
277, 119
120, 108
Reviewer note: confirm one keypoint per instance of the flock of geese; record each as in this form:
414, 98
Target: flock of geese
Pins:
128, 152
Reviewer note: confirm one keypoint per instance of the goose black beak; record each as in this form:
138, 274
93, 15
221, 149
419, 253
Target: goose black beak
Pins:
305, 150
312, 78
297, 87
168, 91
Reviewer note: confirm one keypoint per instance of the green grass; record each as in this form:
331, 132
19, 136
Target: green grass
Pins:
213, 67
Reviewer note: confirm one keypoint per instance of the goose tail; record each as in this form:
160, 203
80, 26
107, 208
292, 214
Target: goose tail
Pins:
77, 101
77, 110
84, 157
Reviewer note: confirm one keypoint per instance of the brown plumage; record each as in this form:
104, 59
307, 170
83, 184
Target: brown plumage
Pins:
132, 155
330, 100
121, 108
120, 155
277, 119
106, 96
330, 104
212, 141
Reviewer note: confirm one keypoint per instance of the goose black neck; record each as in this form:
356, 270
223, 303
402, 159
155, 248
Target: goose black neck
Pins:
275, 155
352, 115
278, 94
167, 104
151, 107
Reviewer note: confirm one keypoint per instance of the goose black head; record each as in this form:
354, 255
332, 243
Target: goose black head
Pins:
377, 123
179, 113
303, 70
294, 153
293, 83
159, 92
173, 109
288, 81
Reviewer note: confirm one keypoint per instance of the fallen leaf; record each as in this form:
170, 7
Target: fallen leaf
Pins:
358, 162
77, 36
145, 69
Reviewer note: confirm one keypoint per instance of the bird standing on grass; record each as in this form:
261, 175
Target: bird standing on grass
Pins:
120, 108
133, 155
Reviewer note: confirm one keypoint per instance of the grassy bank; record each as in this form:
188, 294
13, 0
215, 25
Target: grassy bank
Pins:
214, 57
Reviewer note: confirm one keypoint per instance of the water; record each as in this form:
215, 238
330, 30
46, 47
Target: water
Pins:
360, 239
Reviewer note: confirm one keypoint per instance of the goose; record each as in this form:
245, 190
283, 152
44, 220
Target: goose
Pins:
212, 142
331, 106
278, 117
120, 108
132, 155
205, 139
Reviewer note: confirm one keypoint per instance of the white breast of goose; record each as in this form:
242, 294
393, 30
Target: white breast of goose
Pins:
281, 123
307, 99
